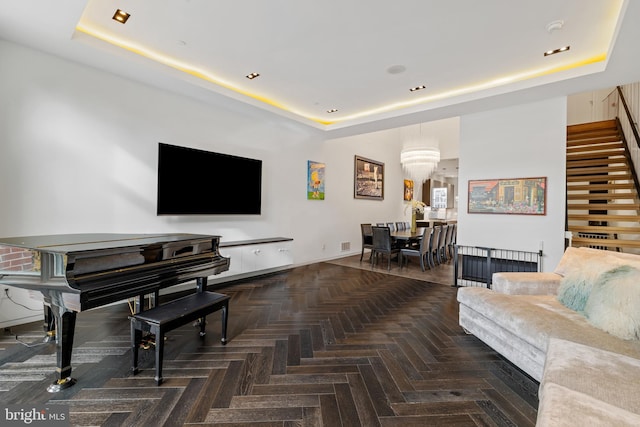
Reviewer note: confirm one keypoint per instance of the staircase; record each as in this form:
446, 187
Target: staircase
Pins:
602, 197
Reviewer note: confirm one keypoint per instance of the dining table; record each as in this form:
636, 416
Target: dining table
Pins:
408, 235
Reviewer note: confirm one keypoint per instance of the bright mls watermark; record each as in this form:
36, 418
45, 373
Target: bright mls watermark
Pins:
21, 415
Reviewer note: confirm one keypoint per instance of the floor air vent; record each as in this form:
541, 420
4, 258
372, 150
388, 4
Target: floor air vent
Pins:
345, 246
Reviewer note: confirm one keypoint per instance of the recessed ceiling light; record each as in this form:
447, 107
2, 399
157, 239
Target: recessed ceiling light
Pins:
333, 110
554, 51
413, 89
252, 76
121, 16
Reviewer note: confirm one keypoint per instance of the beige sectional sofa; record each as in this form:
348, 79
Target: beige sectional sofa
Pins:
588, 368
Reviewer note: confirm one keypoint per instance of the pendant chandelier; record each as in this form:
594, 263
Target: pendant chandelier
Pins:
419, 156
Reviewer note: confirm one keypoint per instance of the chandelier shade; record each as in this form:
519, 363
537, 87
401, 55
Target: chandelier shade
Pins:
419, 162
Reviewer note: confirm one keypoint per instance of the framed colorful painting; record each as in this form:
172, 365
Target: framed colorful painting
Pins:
368, 179
518, 196
408, 190
315, 180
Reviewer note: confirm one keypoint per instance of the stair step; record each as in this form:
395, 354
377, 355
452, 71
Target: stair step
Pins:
596, 170
571, 163
596, 137
604, 206
593, 140
598, 178
608, 243
603, 217
597, 187
585, 127
592, 130
595, 146
602, 196
604, 229
592, 155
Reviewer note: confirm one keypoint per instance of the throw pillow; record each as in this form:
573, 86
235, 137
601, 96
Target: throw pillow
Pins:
614, 302
575, 288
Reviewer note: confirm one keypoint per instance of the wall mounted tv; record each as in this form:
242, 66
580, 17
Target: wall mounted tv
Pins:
198, 182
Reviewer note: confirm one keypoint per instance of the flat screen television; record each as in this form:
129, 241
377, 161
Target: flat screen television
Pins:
198, 182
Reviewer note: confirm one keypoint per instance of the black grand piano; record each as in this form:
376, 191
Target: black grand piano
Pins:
77, 272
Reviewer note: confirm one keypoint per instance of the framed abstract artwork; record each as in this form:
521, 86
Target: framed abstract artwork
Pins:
315, 180
517, 196
368, 179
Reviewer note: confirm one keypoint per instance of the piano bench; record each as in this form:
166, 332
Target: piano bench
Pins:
169, 316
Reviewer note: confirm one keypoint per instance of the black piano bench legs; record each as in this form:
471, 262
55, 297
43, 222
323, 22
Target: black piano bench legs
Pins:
166, 317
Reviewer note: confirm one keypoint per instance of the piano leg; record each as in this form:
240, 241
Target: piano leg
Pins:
225, 315
65, 321
64, 348
49, 324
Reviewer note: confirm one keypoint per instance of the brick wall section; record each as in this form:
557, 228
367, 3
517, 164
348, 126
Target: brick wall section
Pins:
15, 259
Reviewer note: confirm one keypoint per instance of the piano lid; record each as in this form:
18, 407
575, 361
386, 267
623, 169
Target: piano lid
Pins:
70, 243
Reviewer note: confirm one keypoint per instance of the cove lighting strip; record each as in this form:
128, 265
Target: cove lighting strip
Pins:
207, 76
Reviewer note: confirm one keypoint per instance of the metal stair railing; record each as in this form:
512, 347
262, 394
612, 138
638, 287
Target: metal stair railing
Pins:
634, 130
627, 153
633, 124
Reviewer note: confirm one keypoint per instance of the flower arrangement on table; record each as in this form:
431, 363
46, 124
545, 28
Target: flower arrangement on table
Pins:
416, 206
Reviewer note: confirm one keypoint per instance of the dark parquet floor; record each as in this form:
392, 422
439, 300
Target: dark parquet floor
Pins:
318, 345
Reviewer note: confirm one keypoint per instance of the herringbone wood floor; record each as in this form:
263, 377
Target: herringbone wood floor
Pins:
323, 344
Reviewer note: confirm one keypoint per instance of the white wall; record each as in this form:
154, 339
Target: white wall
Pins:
517, 142
20, 306
78, 153
588, 106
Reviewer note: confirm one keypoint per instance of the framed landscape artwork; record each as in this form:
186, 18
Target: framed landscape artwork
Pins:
519, 196
315, 180
368, 179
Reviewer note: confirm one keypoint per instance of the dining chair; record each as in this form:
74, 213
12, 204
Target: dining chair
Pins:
382, 244
433, 245
400, 226
441, 239
392, 226
421, 251
447, 241
367, 239
452, 242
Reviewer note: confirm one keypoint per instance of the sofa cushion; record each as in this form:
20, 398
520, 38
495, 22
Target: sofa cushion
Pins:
563, 407
580, 367
569, 261
576, 259
535, 283
614, 303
